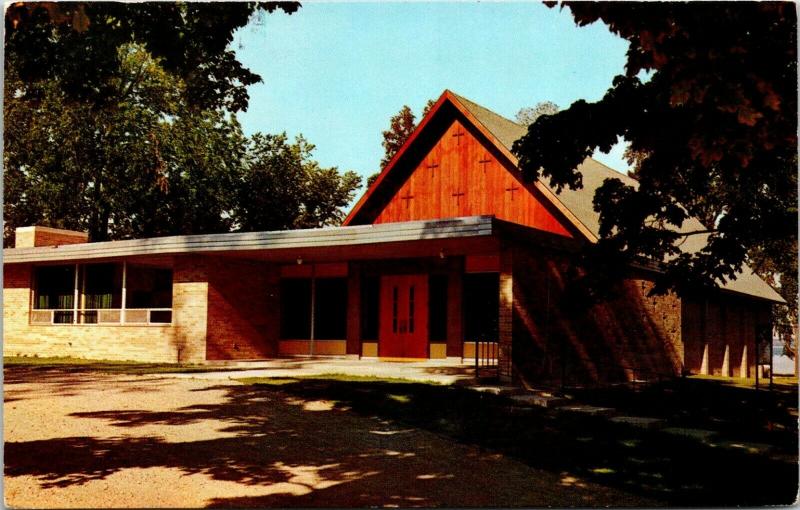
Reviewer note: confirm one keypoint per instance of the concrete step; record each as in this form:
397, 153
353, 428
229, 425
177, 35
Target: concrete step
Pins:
521, 410
545, 400
605, 412
699, 434
641, 422
743, 446
497, 390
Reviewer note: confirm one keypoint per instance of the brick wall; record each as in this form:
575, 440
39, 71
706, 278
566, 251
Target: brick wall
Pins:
505, 329
184, 341
556, 337
242, 310
719, 333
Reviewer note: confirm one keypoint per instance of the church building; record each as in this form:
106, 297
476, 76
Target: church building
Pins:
448, 254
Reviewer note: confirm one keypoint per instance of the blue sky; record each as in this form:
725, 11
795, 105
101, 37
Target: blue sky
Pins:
336, 72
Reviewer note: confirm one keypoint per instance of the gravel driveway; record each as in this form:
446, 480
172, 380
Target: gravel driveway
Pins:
94, 440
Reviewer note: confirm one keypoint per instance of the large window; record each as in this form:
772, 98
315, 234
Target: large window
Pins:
481, 307
100, 290
54, 289
296, 308
148, 287
329, 308
370, 307
437, 308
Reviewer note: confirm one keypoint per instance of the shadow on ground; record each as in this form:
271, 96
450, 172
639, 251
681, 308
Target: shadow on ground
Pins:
310, 438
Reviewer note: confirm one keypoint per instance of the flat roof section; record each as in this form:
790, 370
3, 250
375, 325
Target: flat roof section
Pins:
452, 228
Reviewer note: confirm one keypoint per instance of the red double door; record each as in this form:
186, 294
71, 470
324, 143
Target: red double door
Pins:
404, 317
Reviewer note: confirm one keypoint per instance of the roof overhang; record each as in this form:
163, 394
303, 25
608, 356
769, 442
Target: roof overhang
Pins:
382, 240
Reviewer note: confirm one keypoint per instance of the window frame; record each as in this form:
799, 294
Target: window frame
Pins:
83, 316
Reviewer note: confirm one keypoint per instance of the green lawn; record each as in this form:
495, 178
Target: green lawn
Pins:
282, 381
107, 366
675, 470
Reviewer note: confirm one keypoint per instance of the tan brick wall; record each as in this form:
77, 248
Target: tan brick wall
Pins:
189, 308
28, 237
184, 341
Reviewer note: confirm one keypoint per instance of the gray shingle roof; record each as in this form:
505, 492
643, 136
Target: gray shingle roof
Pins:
579, 201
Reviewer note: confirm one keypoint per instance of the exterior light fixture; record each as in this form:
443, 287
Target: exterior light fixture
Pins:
299, 261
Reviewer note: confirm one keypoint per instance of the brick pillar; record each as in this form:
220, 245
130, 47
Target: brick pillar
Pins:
505, 333
354, 310
743, 371
726, 361
190, 308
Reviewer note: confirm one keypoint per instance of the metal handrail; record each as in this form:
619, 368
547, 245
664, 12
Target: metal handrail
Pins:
486, 356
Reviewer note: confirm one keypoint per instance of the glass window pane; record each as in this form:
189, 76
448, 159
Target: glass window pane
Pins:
62, 317
161, 316
370, 309
295, 296
330, 310
437, 308
148, 287
102, 286
481, 307
54, 288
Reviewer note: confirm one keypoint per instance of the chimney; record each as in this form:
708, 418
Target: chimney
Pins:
29, 237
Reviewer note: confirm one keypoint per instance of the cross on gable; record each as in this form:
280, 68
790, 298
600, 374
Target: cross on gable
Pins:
458, 195
432, 166
408, 198
512, 189
458, 134
485, 161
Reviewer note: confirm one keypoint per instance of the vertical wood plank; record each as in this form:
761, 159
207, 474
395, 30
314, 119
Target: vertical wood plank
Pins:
459, 171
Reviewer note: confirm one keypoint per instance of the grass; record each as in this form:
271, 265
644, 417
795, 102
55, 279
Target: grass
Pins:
780, 382
675, 470
282, 381
107, 366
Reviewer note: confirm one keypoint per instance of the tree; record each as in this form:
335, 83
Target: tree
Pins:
77, 44
150, 163
527, 116
282, 187
118, 169
400, 128
713, 128
372, 178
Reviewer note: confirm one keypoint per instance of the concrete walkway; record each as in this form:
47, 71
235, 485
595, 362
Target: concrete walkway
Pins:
441, 371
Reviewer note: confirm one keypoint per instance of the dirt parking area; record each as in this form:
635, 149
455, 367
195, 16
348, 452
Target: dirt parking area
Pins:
97, 440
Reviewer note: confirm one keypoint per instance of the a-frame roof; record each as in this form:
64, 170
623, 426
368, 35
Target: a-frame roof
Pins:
576, 205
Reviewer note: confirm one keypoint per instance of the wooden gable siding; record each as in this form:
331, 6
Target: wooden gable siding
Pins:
461, 176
